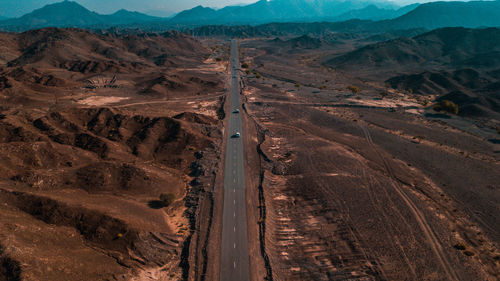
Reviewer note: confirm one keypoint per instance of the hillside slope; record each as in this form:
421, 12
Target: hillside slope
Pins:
447, 46
450, 14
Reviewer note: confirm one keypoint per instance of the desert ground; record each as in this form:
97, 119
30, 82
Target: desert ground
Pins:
112, 146
372, 185
94, 129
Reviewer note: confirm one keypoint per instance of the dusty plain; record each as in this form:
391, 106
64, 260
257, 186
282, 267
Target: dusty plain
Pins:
368, 185
354, 169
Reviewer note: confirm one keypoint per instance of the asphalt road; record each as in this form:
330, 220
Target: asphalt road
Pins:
234, 248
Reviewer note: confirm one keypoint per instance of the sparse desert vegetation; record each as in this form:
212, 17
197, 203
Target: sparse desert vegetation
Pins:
361, 142
353, 89
447, 106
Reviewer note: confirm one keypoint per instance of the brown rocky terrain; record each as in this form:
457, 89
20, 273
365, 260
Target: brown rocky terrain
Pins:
111, 146
455, 64
365, 184
93, 129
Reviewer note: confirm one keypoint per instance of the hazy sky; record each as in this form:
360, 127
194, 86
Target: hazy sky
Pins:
15, 8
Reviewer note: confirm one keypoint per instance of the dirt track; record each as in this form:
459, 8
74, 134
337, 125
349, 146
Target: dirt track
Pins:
436, 245
352, 191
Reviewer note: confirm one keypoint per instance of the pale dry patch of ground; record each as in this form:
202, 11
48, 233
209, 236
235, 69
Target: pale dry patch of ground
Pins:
384, 103
208, 67
101, 101
206, 108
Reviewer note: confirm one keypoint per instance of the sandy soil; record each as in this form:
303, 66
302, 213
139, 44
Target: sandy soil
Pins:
101, 101
365, 187
85, 160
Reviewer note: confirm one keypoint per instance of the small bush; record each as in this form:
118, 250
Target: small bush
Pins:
447, 106
258, 75
245, 65
247, 71
353, 89
218, 59
167, 199
297, 85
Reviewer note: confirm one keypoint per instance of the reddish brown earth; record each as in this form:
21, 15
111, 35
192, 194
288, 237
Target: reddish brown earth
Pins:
365, 186
84, 158
340, 186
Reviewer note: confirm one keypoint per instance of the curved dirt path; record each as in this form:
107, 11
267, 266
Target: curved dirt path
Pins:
419, 216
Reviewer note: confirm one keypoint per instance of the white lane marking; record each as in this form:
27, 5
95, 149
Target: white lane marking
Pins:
234, 264
234, 180
234, 228
234, 245
234, 214
234, 190
234, 202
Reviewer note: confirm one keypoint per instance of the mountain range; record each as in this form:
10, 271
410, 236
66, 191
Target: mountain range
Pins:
371, 16
71, 14
288, 10
373, 12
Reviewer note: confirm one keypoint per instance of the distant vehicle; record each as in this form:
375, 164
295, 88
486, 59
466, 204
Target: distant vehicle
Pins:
237, 110
236, 135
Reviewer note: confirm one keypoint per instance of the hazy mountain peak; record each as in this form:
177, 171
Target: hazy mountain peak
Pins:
72, 14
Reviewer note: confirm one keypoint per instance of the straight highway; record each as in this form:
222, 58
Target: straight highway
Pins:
234, 248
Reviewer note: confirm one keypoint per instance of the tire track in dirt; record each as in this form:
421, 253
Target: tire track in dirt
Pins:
355, 235
420, 218
389, 231
376, 203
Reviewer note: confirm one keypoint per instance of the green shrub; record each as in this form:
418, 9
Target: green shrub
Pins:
447, 106
245, 65
218, 59
167, 199
353, 89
